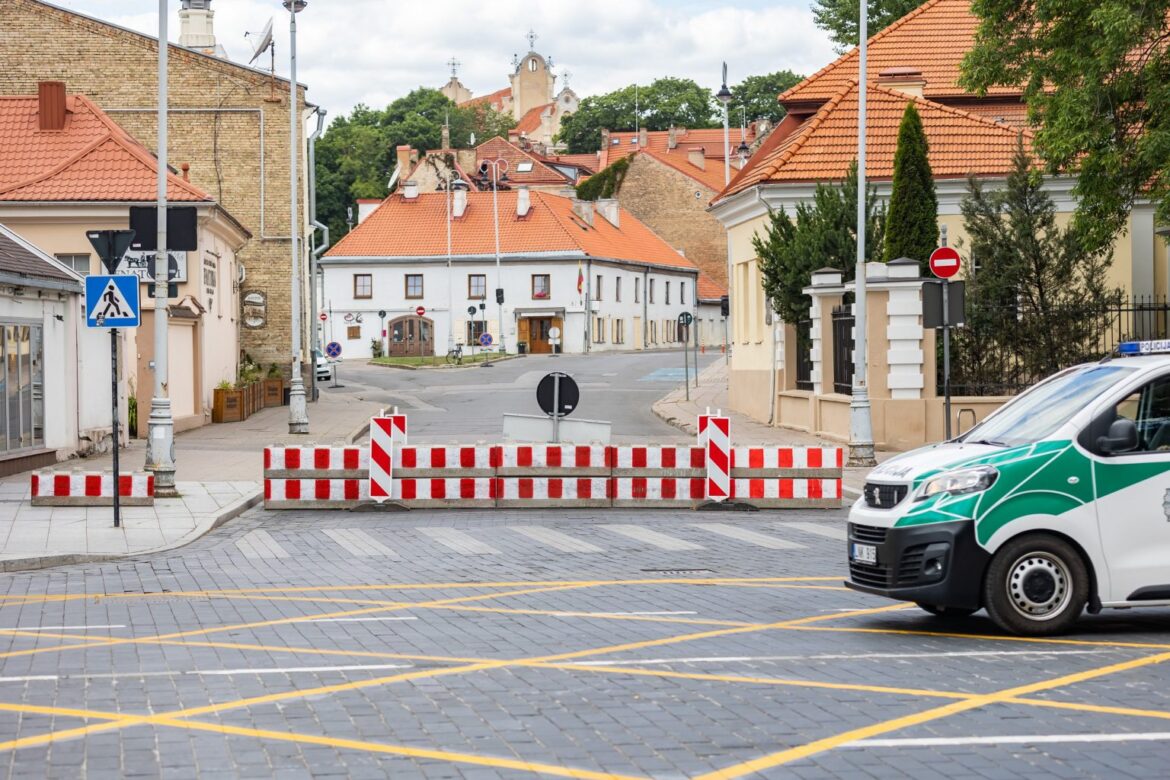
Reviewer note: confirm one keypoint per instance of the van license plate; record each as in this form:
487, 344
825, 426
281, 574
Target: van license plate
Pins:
864, 553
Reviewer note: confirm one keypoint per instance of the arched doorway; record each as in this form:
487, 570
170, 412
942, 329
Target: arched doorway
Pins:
411, 335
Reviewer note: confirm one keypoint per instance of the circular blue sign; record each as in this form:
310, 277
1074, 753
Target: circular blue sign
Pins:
485, 339
333, 349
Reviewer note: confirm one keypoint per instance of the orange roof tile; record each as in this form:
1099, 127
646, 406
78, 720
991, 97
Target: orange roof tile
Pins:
539, 174
91, 159
495, 99
417, 228
710, 175
823, 148
659, 141
586, 162
709, 289
932, 38
530, 122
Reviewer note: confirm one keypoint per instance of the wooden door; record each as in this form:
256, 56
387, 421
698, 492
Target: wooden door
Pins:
539, 330
522, 333
411, 336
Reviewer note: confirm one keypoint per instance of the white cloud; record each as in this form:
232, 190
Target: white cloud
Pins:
373, 51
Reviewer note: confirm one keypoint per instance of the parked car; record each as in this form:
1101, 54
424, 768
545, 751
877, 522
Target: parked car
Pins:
324, 368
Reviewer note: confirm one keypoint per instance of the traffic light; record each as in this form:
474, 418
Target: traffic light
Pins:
725, 306
500, 295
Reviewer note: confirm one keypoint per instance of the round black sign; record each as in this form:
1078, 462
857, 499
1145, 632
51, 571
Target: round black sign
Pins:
382, 314
686, 318
569, 396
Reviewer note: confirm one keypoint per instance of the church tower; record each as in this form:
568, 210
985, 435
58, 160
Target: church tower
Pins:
532, 81
454, 89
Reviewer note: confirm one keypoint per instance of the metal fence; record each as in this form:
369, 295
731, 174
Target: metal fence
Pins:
804, 355
843, 350
1004, 350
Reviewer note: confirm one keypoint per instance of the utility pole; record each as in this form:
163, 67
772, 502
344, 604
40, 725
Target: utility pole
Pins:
860, 422
298, 412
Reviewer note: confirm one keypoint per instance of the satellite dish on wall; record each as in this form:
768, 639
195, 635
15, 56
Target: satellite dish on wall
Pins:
264, 44
394, 177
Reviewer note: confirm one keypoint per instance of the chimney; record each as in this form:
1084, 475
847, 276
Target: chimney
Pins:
672, 137
584, 210
410, 190
366, 207
186, 169
402, 155
413, 158
908, 81
604, 139
643, 138
523, 203
608, 208
51, 105
196, 28
446, 137
696, 156
458, 202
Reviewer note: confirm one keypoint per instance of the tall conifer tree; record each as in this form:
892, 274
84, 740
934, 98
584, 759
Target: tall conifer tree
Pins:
912, 222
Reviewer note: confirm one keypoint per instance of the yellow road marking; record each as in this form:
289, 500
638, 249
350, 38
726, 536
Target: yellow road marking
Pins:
1103, 709
865, 732
598, 616
321, 651
993, 637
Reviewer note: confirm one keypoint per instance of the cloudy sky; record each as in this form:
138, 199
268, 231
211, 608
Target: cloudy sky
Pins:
373, 51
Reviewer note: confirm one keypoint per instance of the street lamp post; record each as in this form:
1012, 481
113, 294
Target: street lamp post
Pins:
860, 424
298, 413
498, 168
160, 440
724, 96
453, 182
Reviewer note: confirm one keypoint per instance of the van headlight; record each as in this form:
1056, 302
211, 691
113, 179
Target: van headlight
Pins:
958, 482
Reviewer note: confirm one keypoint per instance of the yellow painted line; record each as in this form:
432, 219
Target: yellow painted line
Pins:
992, 637
416, 586
597, 615
771, 586
33, 634
399, 750
865, 732
65, 712
321, 651
1102, 709
638, 672
63, 734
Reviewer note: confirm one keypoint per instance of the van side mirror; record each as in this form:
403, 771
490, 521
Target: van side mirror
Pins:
1123, 437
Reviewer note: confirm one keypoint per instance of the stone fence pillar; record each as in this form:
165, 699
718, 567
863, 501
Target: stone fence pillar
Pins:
826, 292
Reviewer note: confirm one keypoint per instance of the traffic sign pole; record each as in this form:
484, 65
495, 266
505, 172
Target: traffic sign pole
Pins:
556, 408
114, 408
945, 263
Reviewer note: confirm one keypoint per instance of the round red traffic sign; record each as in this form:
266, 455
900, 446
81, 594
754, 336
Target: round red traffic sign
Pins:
944, 262
323, 316
420, 311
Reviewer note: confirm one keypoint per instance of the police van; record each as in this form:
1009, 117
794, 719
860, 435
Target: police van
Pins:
1057, 502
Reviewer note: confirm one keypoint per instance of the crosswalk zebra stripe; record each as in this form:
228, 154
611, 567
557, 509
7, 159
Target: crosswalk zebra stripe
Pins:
820, 529
555, 539
260, 544
360, 543
653, 538
749, 536
460, 542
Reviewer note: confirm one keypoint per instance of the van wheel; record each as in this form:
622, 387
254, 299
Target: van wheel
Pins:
1036, 585
957, 612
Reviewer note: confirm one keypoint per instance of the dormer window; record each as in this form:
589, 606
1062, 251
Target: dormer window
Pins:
524, 167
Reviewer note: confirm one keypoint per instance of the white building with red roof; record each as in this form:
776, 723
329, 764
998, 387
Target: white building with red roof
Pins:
588, 269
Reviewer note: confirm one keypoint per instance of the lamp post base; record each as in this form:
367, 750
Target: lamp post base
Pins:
860, 430
298, 412
160, 448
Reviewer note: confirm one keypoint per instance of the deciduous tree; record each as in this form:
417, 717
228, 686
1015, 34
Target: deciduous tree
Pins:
839, 18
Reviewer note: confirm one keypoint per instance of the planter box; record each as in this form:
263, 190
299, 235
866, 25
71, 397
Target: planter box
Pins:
273, 392
228, 406
256, 394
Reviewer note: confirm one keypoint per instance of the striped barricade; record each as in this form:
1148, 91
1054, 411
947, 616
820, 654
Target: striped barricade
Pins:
552, 475
444, 476
787, 477
316, 477
658, 477
82, 488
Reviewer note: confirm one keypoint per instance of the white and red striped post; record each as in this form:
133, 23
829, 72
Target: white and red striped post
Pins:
382, 442
717, 433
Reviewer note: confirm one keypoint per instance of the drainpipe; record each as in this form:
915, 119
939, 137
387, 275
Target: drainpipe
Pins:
773, 316
588, 305
315, 341
646, 308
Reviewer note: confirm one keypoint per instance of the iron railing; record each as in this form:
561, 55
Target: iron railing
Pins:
804, 355
843, 350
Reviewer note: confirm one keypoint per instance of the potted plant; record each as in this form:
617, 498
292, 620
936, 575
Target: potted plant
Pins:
227, 403
273, 387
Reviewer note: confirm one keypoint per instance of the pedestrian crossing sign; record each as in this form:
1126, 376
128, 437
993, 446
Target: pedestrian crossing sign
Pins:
112, 301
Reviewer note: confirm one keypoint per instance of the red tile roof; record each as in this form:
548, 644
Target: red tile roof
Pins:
91, 159
824, 146
932, 38
710, 175
709, 289
586, 162
417, 228
659, 141
495, 99
540, 174
530, 122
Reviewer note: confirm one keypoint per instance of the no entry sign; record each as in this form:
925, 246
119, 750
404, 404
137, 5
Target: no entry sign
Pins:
420, 311
944, 262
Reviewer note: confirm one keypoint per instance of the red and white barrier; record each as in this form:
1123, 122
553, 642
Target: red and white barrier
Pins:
659, 492
316, 462
315, 493
797, 461
77, 488
718, 434
792, 493
445, 492
678, 461
381, 473
444, 461
552, 492
560, 459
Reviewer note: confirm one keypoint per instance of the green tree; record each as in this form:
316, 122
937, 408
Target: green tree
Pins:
1094, 75
839, 18
757, 94
823, 235
912, 225
665, 102
1037, 298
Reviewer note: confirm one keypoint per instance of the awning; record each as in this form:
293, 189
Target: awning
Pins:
531, 313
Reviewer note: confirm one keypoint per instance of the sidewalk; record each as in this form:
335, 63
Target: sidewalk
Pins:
745, 431
219, 471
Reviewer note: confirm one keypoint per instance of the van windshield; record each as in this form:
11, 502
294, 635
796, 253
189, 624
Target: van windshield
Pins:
1041, 411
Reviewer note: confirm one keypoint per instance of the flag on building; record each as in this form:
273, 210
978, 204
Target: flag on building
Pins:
580, 279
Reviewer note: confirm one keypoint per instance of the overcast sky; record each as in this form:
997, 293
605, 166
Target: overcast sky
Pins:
373, 51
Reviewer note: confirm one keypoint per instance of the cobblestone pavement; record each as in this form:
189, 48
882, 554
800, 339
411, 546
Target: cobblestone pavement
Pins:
548, 644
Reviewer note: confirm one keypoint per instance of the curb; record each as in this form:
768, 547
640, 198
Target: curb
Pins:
443, 366
227, 513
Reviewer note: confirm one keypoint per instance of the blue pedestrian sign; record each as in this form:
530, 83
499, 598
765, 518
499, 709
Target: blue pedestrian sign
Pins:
333, 350
485, 339
112, 301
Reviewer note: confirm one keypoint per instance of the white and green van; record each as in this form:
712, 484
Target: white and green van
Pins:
1058, 501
